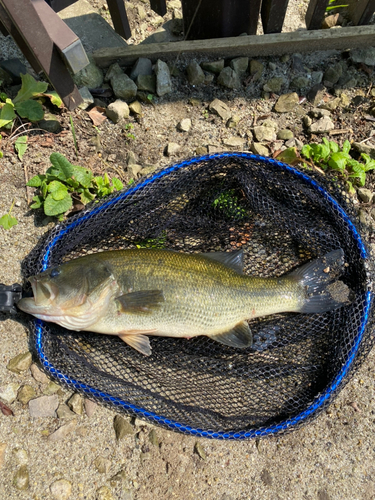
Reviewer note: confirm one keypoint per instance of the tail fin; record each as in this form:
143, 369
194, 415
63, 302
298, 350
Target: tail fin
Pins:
324, 292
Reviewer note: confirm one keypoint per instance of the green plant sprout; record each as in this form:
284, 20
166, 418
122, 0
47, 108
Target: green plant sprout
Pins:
227, 202
24, 104
7, 220
63, 182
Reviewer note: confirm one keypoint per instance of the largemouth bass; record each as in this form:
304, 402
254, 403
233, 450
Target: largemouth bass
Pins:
135, 293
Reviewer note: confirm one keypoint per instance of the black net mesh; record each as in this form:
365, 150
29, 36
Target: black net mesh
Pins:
280, 218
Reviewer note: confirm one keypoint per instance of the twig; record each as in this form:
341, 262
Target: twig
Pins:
28, 195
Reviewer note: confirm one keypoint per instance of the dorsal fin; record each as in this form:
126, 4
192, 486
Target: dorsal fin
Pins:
234, 260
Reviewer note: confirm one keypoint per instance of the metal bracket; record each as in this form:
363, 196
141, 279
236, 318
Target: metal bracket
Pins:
9, 296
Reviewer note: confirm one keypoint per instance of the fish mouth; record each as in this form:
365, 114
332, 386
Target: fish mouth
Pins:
44, 293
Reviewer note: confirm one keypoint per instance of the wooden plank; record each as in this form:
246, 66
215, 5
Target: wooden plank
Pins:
315, 14
227, 18
361, 11
273, 15
159, 6
251, 46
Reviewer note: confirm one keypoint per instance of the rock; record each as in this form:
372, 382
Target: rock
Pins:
319, 112
63, 411
285, 134
316, 77
184, 125
287, 103
220, 108
256, 69
214, 148
235, 142
290, 143
347, 81
330, 21
146, 83
38, 375
104, 493
198, 448
14, 67
213, 66
51, 388
195, 74
122, 427
44, 406
264, 134
315, 94
134, 170
153, 438
322, 126
299, 144
364, 148
333, 74
233, 121
21, 478
149, 169
5, 77
50, 123
117, 111
75, 403
8, 393
163, 78
124, 87
240, 65
141, 12
26, 393
274, 85
135, 108
259, 149
113, 70
90, 406
345, 100
102, 465
172, 148
366, 195
270, 124
119, 478
331, 105
20, 363
61, 489
87, 98
229, 78
365, 56
300, 82
20, 456
143, 66
62, 432
201, 150
90, 76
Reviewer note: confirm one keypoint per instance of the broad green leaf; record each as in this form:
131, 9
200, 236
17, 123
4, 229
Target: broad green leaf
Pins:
38, 202
338, 161
346, 146
30, 88
1, 154
99, 181
86, 196
36, 181
53, 207
7, 114
82, 175
370, 163
306, 151
21, 146
44, 189
288, 156
32, 110
3, 96
107, 182
55, 98
62, 168
334, 147
117, 184
361, 176
73, 184
355, 166
8, 221
58, 190
325, 141
350, 189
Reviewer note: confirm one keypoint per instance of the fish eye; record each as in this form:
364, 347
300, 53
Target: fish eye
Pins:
55, 272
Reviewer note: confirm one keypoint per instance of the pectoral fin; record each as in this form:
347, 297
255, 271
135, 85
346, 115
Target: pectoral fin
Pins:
240, 336
139, 342
144, 301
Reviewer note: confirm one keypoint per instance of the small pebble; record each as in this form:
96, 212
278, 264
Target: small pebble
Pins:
38, 375
63, 411
153, 438
61, 489
45, 406
63, 431
21, 478
104, 493
75, 403
51, 388
8, 393
102, 465
198, 448
90, 407
20, 456
184, 125
3, 447
122, 427
26, 393
20, 363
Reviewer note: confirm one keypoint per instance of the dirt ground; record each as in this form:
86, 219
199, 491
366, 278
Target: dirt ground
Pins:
332, 458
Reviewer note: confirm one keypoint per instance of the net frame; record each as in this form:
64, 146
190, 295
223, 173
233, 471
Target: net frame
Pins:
44, 254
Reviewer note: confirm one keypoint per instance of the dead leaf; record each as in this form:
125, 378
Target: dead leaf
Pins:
5, 410
97, 115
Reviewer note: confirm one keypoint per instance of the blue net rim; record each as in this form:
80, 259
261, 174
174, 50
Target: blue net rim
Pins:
284, 425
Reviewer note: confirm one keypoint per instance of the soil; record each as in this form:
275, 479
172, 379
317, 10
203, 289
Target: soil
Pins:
330, 459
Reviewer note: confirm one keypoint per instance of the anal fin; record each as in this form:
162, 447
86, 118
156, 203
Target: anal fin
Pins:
240, 336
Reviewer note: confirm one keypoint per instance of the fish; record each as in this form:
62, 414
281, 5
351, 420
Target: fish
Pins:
135, 293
